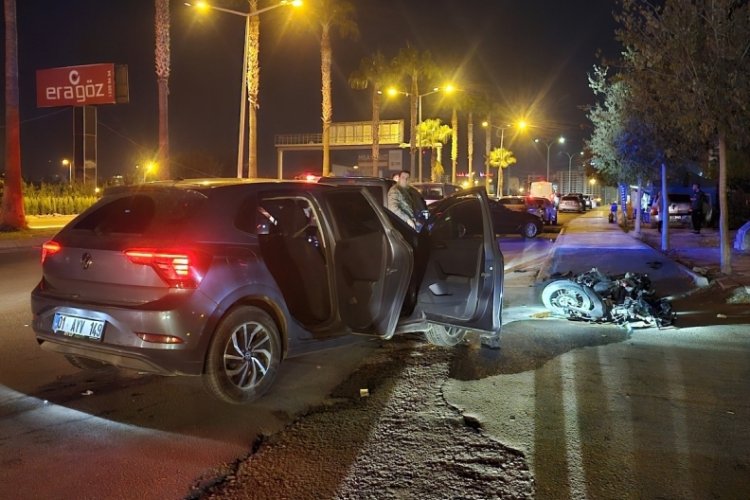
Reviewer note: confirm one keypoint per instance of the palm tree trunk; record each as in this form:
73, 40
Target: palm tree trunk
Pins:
726, 249
487, 147
454, 145
12, 216
162, 22
414, 97
375, 129
253, 87
500, 181
327, 108
470, 147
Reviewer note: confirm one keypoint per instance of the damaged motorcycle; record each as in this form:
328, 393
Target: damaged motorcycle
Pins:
627, 300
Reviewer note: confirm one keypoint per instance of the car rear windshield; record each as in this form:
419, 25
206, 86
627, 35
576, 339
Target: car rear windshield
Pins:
571, 198
679, 198
141, 213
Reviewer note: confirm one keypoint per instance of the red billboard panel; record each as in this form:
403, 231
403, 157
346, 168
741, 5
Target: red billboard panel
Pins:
76, 86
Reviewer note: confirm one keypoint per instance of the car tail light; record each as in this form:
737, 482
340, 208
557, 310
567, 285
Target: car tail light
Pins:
178, 268
50, 248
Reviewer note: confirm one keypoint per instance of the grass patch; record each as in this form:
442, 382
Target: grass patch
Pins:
27, 234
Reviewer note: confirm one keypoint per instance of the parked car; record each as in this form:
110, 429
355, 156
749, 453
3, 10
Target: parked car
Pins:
588, 202
516, 203
225, 278
571, 203
582, 198
679, 208
379, 187
434, 191
542, 208
507, 221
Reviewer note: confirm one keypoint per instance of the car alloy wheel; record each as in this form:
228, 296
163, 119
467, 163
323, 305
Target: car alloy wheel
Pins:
444, 336
530, 230
244, 356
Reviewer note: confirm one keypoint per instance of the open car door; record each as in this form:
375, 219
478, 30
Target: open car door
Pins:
372, 262
463, 279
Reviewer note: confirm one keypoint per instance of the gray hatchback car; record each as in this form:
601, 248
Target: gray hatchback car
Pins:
225, 278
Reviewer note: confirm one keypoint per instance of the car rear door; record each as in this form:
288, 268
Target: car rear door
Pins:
463, 279
372, 262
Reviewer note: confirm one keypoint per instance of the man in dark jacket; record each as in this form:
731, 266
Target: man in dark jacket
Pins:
696, 208
400, 200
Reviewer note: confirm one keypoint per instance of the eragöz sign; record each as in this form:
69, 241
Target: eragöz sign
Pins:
76, 85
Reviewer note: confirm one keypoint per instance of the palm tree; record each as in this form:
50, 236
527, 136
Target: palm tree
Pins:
501, 158
414, 64
253, 88
454, 144
329, 14
373, 72
12, 217
161, 22
433, 134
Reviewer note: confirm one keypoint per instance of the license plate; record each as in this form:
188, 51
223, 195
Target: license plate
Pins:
78, 327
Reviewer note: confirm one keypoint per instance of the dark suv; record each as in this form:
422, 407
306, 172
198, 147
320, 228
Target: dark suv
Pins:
226, 278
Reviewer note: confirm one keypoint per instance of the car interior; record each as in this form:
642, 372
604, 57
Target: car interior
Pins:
293, 251
452, 279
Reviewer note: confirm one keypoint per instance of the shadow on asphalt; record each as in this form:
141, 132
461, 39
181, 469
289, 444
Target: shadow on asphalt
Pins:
528, 345
709, 307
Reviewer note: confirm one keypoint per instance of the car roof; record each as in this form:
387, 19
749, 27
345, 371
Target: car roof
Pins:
205, 184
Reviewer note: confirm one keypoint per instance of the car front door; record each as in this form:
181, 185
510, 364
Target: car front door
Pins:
372, 263
463, 280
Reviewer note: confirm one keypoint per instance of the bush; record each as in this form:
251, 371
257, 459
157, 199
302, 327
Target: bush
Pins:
65, 199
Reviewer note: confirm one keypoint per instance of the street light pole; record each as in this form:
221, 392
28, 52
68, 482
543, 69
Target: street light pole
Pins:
69, 164
560, 140
394, 91
243, 92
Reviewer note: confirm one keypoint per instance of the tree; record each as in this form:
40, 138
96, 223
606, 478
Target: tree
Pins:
328, 14
253, 88
374, 72
413, 64
433, 134
162, 57
624, 148
688, 63
501, 158
12, 217
454, 144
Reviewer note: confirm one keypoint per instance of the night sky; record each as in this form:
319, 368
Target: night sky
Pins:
534, 55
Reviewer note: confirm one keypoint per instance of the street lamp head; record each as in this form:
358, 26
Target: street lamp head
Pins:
296, 3
536, 140
485, 124
65, 162
449, 88
522, 124
561, 140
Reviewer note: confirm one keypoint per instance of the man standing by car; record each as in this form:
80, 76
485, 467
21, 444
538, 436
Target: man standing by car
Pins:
696, 207
400, 201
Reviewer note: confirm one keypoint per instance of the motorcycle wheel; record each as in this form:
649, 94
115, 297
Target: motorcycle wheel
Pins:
571, 300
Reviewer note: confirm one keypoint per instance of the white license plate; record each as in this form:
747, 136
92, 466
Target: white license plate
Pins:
77, 326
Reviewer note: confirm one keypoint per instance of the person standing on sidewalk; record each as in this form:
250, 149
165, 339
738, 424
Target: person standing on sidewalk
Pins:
696, 207
399, 199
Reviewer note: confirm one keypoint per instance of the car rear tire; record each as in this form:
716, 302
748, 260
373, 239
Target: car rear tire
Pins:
444, 336
243, 357
530, 229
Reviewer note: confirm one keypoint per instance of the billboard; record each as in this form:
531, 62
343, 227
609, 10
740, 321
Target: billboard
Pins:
79, 85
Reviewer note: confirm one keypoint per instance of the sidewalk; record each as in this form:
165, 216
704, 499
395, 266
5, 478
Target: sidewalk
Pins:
590, 241
41, 229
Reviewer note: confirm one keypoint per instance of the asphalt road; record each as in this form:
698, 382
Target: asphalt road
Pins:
120, 434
